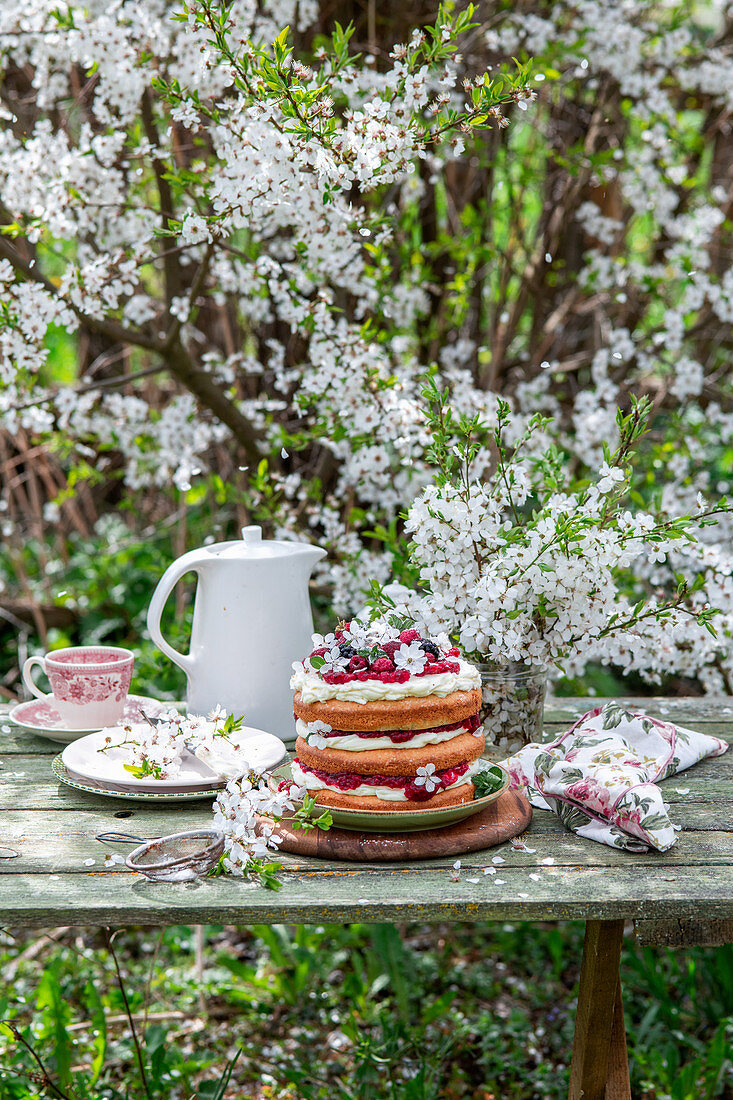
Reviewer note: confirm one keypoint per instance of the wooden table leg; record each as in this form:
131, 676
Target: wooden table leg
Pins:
618, 1086
600, 1067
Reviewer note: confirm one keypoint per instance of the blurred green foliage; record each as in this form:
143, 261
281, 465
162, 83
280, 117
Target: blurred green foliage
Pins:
357, 1012
107, 582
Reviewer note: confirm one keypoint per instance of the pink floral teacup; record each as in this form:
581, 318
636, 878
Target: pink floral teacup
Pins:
89, 683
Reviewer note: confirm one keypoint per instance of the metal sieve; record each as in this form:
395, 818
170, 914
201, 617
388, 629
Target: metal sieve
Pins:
180, 857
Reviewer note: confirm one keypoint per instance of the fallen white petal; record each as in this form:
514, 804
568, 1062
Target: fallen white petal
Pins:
523, 895
457, 865
89, 862
498, 859
472, 880
682, 790
499, 881
489, 870
535, 878
548, 860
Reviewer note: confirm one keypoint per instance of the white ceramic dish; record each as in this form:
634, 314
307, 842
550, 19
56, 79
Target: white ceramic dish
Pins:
86, 764
40, 717
159, 798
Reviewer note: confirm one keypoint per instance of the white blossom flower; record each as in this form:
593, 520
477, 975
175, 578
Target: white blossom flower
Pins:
194, 229
180, 307
609, 478
314, 734
425, 777
333, 661
411, 657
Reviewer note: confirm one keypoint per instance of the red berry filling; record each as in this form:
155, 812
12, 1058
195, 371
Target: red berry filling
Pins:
347, 781
384, 671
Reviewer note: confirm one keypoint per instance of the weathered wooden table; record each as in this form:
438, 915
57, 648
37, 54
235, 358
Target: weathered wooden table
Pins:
683, 896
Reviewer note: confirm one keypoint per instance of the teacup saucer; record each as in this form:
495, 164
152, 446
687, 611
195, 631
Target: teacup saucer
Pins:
40, 716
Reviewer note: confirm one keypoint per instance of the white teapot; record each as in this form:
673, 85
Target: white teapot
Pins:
251, 619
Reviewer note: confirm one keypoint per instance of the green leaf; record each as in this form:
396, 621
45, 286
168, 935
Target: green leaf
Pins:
487, 781
55, 1017
99, 1028
390, 949
221, 1085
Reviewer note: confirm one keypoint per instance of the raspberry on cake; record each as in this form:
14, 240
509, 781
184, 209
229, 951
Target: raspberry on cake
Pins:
386, 719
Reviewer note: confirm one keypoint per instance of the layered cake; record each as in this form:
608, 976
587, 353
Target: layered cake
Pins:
386, 720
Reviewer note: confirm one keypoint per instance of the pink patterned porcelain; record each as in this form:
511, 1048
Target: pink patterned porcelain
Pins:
89, 683
40, 716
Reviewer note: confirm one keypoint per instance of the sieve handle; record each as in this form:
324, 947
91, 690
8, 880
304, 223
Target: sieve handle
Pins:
122, 838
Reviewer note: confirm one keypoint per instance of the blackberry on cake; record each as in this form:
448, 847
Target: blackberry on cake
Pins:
386, 719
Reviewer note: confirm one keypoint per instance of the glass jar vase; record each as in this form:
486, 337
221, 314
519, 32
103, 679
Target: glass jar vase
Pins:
513, 704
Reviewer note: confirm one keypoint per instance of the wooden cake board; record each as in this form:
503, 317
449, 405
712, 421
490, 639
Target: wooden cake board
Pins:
508, 816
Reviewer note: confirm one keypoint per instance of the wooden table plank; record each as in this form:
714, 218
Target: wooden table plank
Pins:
340, 895
572, 876
680, 710
58, 841
682, 933
14, 740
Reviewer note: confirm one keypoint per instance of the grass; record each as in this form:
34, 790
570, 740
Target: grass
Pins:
374, 1012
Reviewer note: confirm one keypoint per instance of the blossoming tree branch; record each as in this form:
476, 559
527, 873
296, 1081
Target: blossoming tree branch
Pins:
259, 234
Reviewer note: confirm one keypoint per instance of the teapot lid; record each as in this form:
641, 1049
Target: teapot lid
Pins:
252, 545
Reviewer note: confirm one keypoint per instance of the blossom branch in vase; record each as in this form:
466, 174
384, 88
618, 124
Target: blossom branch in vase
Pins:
519, 561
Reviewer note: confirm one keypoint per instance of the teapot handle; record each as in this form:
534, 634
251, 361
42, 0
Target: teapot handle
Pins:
187, 564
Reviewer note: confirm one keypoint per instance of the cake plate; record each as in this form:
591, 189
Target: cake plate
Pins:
406, 821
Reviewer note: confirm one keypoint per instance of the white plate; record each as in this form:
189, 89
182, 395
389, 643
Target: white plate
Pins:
149, 797
39, 716
86, 764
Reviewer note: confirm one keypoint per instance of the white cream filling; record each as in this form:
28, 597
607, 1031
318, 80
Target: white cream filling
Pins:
387, 794
351, 743
315, 690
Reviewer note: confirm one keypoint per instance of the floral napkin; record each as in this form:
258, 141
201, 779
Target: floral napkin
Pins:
600, 777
